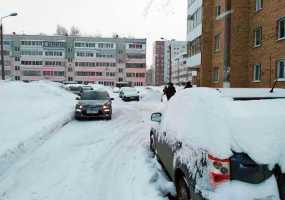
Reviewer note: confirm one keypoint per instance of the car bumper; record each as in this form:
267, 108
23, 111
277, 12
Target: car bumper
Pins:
99, 115
131, 98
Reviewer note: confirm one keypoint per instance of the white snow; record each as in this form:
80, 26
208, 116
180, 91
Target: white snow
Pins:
211, 120
30, 111
101, 160
235, 190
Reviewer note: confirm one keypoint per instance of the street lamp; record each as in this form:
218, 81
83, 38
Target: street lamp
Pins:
2, 49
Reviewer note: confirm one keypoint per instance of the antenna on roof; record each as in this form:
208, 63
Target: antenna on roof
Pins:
272, 89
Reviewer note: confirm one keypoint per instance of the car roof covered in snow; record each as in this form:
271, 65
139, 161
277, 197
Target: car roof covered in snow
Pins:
250, 92
212, 120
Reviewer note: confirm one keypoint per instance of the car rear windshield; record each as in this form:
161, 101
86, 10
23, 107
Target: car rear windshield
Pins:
97, 95
73, 88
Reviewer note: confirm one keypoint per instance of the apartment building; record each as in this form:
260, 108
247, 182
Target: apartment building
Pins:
71, 58
158, 59
241, 43
173, 54
166, 57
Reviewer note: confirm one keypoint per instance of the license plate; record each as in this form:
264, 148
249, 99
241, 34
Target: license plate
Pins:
92, 111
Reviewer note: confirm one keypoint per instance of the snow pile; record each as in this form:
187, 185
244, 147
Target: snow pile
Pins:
235, 190
206, 119
30, 113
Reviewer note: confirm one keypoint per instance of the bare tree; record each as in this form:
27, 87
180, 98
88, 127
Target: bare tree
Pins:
74, 31
60, 30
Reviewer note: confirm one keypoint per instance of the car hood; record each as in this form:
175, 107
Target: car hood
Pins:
92, 102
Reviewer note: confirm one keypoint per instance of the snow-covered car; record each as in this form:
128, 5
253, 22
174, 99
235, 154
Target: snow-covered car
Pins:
116, 90
223, 143
129, 94
94, 104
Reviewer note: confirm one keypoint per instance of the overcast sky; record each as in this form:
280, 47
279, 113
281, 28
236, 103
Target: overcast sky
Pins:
149, 19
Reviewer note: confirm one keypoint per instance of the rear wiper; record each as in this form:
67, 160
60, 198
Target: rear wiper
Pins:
272, 89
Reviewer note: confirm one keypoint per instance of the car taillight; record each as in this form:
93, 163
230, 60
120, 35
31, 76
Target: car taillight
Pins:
219, 170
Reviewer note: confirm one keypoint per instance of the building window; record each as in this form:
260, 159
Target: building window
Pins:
17, 78
257, 36
17, 58
17, 49
280, 69
17, 68
218, 8
281, 28
216, 75
217, 42
258, 5
69, 69
70, 79
257, 72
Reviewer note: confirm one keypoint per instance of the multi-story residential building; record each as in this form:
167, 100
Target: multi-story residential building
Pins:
158, 59
173, 52
149, 76
165, 56
194, 33
73, 58
240, 43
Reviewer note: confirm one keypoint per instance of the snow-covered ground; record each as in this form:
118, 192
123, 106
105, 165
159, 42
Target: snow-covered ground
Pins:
101, 160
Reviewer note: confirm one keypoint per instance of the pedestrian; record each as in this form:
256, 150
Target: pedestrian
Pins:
188, 85
170, 91
164, 92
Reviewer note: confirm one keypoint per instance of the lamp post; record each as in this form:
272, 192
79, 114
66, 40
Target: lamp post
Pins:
2, 49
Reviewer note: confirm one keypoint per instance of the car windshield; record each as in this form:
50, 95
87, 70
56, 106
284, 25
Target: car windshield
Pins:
96, 95
73, 88
130, 90
87, 88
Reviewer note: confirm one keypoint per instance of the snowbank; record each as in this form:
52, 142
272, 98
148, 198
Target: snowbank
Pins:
30, 113
210, 119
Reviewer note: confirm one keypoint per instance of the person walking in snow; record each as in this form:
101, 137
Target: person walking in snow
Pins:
170, 91
188, 85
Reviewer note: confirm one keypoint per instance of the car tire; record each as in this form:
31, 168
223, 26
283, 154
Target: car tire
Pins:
182, 190
109, 117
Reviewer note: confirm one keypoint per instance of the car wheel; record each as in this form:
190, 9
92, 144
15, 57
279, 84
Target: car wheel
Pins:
183, 192
109, 117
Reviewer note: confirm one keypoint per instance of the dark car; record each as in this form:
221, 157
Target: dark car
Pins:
85, 88
94, 104
194, 170
75, 89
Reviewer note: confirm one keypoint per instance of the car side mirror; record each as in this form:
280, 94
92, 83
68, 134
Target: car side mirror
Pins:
112, 99
156, 117
77, 98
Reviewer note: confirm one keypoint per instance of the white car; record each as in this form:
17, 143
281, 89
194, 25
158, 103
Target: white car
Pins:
129, 94
223, 143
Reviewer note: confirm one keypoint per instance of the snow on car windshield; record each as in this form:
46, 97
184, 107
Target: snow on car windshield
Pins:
207, 119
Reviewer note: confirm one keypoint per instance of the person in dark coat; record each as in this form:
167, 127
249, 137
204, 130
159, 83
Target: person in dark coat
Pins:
170, 91
188, 85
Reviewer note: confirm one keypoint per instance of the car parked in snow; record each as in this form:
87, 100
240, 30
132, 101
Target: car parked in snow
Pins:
85, 88
94, 104
75, 89
129, 94
223, 142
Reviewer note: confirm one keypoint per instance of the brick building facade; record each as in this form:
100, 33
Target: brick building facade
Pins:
242, 43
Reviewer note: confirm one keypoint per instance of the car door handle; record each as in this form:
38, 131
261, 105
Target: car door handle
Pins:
164, 133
